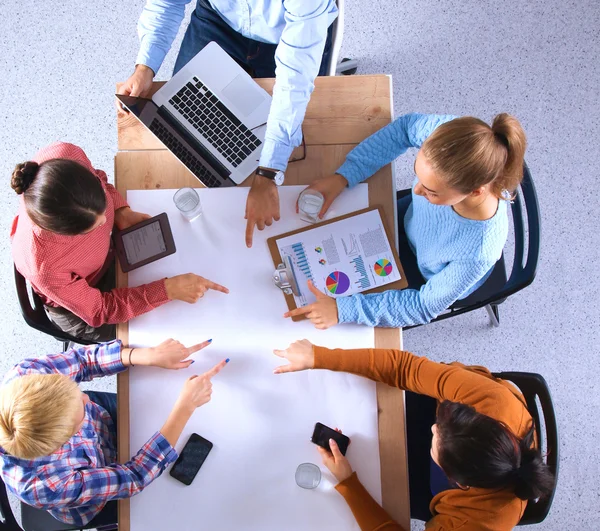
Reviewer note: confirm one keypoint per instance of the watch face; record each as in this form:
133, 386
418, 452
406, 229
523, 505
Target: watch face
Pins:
279, 178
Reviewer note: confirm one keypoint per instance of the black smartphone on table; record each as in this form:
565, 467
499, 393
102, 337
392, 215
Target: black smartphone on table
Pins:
191, 458
323, 433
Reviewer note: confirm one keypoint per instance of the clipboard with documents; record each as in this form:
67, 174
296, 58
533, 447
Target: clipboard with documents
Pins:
343, 256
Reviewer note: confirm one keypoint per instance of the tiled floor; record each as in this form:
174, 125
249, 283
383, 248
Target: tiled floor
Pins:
537, 59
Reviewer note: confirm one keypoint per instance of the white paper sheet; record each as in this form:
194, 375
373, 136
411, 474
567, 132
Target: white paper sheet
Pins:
343, 258
260, 423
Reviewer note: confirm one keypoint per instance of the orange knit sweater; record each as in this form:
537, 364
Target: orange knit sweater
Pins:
465, 510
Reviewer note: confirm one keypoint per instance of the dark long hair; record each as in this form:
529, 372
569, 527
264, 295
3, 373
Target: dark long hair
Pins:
478, 451
60, 195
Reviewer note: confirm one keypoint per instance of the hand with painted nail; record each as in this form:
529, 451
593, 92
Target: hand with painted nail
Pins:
197, 389
335, 461
172, 354
196, 392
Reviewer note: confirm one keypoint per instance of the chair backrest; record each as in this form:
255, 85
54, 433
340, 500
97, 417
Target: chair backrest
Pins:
34, 313
533, 385
527, 233
7, 518
524, 266
336, 39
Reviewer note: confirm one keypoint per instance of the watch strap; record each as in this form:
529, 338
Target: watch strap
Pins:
269, 174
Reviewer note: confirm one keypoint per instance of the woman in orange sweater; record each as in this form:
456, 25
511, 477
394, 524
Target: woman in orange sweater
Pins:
484, 463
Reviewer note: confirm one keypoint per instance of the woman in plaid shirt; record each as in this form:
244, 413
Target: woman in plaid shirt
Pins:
58, 448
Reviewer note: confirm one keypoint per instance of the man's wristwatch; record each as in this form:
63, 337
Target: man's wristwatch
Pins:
276, 176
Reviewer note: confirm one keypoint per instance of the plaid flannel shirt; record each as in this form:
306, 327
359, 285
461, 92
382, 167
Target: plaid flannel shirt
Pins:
76, 481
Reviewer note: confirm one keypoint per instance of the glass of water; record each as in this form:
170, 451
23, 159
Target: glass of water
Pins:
187, 202
308, 476
310, 203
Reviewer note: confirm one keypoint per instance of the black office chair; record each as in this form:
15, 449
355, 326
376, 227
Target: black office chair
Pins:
533, 385
498, 287
420, 416
35, 315
39, 520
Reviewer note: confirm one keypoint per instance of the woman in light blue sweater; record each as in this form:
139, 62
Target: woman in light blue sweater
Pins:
455, 222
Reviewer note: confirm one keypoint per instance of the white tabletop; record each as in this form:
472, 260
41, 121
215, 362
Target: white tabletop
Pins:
260, 423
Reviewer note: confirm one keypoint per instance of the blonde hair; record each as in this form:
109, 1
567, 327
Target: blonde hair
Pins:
37, 414
467, 153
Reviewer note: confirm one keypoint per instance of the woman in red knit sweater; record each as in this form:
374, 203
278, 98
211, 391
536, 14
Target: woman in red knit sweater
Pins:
61, 243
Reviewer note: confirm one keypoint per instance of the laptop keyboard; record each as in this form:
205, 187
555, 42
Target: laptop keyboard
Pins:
226, 133
184, 155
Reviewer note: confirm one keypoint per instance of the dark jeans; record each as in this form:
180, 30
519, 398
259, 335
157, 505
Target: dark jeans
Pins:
72, 324
257, 58
407, 257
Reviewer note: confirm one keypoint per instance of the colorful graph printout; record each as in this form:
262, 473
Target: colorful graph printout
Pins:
383, 267
337, 283
342, 258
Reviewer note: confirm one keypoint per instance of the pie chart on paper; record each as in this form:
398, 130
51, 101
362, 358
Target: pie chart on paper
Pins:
383, 267
338, 283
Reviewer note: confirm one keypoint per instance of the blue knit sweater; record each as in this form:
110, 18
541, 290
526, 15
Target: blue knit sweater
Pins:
454, 254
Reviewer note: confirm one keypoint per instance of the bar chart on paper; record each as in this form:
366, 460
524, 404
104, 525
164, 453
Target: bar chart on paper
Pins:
363, 281
300, 260
341, 258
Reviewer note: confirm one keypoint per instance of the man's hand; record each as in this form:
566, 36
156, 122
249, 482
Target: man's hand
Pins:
262, 206
330, 187
190, 287
172, 354
323, 313
300, 354
140, 82
125, 218
138, 85
337, 463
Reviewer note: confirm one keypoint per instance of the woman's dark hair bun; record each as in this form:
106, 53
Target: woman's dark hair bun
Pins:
532, 479
23, 175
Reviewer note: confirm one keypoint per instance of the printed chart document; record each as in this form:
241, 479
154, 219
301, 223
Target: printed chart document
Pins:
260, 423
341, 258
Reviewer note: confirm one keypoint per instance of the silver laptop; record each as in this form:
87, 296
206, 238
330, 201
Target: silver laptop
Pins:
211, 115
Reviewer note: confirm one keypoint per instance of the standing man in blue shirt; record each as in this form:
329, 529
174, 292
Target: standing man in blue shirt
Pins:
286, 39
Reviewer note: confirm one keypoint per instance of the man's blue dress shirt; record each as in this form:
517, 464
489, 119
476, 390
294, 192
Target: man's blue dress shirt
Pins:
299, 27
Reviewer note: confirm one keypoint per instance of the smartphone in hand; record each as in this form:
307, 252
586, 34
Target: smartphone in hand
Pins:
191, 458
323, 433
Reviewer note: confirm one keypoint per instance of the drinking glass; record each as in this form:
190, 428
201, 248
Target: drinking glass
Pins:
310, 203
187, 202
308, 476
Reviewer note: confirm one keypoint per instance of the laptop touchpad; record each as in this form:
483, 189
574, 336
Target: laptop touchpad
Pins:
243, 94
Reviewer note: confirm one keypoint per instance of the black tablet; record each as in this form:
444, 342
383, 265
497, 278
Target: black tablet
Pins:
144, 243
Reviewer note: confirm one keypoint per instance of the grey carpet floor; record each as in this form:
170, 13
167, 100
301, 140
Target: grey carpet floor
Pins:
535, 59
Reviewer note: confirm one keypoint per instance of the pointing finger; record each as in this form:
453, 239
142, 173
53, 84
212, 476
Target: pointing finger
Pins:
198, 347
216, 287
299, 311
283, 368
249, 231
216, 369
